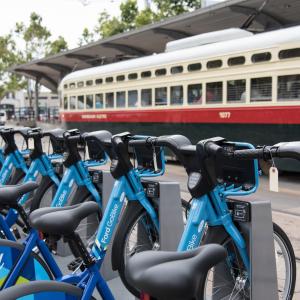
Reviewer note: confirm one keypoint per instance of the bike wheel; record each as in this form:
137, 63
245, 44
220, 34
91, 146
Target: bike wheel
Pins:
44, 194
136, 235
41, 290
87, 228
34, 269
229, 280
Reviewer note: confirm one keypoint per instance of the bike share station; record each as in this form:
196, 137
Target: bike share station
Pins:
252, 215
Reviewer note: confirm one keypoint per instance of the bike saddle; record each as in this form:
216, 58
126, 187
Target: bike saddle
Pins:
173, 275
10, 194
61, 220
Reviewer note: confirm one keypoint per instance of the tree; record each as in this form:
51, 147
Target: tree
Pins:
57, 46
129, 11
132, 18
86, 37
109, 26
168, 8
36, 37
9, 56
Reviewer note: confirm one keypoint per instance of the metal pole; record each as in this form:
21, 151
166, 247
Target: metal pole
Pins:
36, 102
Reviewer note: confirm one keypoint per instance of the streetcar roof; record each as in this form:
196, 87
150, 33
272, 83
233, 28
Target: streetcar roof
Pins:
258, 41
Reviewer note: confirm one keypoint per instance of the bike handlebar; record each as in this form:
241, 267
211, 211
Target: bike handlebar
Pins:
281, 150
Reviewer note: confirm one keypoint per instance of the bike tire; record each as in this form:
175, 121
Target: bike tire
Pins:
16, 177
224, 239
82, 195
34, 269
46, 186
40, 290
133, 212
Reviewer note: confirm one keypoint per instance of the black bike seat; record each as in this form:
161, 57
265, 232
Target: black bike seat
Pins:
10, 194
61, 220
173, 275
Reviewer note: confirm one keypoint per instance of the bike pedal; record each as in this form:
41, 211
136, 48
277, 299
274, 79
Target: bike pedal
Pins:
75, 264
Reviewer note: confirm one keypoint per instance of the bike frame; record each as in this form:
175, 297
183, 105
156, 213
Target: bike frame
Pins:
12, 160
129, 186
212, 210
39, 166
77, 174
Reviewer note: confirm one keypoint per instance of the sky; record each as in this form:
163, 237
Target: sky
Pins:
62, 17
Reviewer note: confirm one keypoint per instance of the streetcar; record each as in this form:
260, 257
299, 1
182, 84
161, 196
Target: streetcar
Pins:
231, 83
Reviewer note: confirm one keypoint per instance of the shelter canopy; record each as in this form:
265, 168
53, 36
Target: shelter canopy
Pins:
253, 15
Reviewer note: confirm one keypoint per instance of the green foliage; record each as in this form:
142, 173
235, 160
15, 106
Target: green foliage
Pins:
169, 8
132, 18
86, 37
109, 26
57, 46
35, 35
34, 39
129, 11
9, 56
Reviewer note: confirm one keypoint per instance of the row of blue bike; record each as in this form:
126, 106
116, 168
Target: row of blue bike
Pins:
52, 195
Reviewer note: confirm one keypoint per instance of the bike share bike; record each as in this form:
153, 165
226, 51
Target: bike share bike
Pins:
14, 166
40, 165
78, 183
64, 221
208, 205
216, 170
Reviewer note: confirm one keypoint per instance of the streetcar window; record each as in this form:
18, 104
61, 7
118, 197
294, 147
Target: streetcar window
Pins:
235, 61
161, 96
109, 79
89, 101
288, 87
261, 89
194, 67
120, 99
213, 64
132, 76
236, 90
261, 57
109, 100
146, 97
99, 101
89, 82
132, 98
160, 72
65, 102
72, 85
80, 84
214, 92
72, 104
65, 86
120, 77
176, 93
99, 81
177, 69
289, 53
80, 102
146, 74
195, 93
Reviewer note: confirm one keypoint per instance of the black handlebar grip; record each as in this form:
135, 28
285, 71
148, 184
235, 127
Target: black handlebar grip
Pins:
212, 148
250, 154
